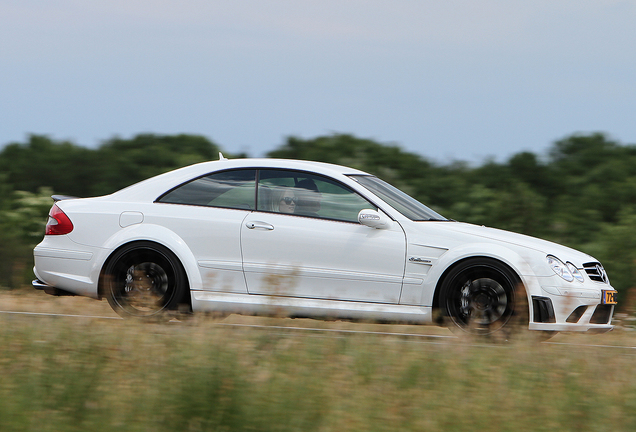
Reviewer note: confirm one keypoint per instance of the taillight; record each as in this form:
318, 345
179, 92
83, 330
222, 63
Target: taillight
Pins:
58, 223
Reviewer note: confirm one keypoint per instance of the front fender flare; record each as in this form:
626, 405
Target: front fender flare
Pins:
500, 253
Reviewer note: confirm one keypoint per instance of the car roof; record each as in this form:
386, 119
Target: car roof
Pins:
151, 188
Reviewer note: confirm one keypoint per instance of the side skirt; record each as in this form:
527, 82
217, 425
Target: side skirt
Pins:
293, 307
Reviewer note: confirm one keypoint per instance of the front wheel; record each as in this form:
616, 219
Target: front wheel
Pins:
144, 280
483, 296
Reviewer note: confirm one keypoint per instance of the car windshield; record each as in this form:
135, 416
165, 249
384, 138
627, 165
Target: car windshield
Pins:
408, 206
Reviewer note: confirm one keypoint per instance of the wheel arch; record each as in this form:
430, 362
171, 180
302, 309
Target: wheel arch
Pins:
161, 236
460, 262
181, 301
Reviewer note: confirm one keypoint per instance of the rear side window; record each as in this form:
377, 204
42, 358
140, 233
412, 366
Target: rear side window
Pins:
229, 189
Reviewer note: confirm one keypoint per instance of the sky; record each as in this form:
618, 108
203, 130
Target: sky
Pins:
447, 79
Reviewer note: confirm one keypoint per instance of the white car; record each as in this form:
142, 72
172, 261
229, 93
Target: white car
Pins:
309, 239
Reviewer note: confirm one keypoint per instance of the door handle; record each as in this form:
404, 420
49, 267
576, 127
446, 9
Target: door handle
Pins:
259, 225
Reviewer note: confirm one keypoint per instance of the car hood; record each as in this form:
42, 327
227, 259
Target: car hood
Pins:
476, 232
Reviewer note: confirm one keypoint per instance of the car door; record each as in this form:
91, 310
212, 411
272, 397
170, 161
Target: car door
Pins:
318, 250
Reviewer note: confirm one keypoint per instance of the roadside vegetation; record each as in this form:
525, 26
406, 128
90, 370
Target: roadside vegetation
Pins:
70, 374
581, 193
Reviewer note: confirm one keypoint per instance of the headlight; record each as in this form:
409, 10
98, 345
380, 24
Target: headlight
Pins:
559, 268
575, 272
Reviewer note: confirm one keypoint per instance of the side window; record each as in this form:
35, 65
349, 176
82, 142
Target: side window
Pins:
305, 194
230, 189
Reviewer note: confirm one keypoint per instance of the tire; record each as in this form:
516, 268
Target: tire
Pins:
482, 296
144, 280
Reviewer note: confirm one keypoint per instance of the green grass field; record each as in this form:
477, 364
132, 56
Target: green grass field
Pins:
70, 374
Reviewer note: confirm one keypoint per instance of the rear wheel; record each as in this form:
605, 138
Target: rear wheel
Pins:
483, 296
144, 280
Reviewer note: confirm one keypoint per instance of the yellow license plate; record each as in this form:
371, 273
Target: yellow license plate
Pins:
609, 297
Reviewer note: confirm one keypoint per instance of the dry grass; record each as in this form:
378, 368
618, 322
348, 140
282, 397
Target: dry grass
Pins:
30, 300
65, 374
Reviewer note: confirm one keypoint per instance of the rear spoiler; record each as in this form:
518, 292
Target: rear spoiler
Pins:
57, 198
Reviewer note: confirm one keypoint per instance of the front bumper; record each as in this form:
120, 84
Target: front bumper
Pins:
565, 308
584, 318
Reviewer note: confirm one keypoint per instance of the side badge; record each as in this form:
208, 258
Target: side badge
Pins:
419, 260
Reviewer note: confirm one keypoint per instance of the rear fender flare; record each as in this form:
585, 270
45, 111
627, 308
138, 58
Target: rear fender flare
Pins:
162, 236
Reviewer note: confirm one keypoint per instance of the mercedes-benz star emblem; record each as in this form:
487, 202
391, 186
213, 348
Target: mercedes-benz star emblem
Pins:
601, 272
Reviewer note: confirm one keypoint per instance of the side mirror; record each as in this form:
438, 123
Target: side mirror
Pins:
374, 219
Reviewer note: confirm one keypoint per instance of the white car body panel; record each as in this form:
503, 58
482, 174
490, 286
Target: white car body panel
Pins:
308, 266
314, 258
213, 237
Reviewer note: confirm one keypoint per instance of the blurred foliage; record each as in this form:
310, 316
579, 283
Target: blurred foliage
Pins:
74, 170
580, 193
85, 375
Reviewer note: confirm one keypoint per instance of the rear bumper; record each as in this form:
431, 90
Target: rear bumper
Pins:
62, 265
51, 290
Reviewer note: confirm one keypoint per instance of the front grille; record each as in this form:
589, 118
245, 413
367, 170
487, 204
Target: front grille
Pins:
596, 272
602, 314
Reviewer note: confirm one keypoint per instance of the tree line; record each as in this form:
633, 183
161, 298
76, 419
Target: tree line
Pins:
581, 193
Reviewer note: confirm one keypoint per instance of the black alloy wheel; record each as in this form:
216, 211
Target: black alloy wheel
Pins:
144, 280
482, 296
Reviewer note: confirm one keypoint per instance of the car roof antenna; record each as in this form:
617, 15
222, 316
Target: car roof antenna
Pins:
221, 157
